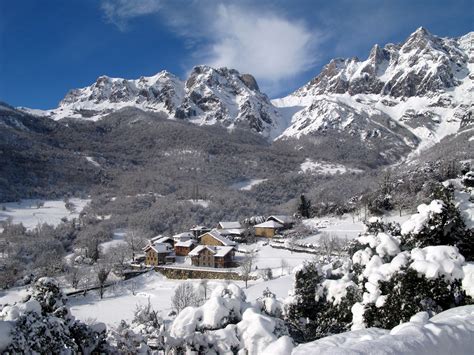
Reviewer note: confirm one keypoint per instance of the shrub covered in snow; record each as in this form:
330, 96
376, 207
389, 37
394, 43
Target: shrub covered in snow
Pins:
396, 284
145, 333
269, 304
439, 223
468, 179
226, 323
407, 293
43, 324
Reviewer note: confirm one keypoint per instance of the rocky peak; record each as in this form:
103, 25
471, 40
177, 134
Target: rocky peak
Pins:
226, 96
208, 96
250, 82
423, 63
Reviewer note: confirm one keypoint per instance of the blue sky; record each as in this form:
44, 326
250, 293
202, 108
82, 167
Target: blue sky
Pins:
48, 47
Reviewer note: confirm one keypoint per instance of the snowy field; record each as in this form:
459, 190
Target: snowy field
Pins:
344, 227
34, 212
121, 300
117, 240
247, 185
315, 167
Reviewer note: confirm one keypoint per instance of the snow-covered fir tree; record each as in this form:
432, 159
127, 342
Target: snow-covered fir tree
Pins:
43, 324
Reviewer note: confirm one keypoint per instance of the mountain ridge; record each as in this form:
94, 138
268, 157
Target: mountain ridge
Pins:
410, 94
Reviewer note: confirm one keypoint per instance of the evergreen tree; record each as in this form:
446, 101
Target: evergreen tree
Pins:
408, 293
44, 325
304, 208
445, 228
310, 316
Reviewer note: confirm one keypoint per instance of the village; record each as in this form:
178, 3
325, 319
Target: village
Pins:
211, 248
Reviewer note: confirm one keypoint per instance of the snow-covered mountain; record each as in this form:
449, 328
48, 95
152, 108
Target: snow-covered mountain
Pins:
208, 96
414, 92
224, 95
161, 92
404, 96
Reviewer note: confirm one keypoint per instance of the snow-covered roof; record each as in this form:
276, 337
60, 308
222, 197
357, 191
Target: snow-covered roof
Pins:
218, 236
218, 251
154, 239
269, 224
158, 247
233, 231
200, 228
183, 236
283, 219
230, 225
162, 240
187, 243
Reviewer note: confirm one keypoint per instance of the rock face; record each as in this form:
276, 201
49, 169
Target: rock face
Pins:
225, 96
422, 64
161, 92
208, 96
411, 94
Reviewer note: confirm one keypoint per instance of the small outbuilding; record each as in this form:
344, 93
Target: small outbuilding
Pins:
268, 229
286, 221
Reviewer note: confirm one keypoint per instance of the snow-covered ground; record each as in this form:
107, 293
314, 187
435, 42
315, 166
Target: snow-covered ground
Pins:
343, 227
316, 167
200, 202
246, 185
93, 161
34, 212
119, 302
117, 239
450, 332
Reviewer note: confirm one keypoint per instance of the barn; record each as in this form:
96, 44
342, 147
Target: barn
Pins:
268, 229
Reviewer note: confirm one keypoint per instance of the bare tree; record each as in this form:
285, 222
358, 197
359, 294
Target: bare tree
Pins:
132, 286
90, 239
329, 243
74, 275
246, 266
102, 270
283, 265
185, 296
204, 286
401, 200
117, 256
136, 241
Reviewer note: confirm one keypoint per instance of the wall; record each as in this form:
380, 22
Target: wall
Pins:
264, 232
196, 274
207, 239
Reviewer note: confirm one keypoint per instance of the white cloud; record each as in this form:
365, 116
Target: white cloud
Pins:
119, 12
266, 45
247, 37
